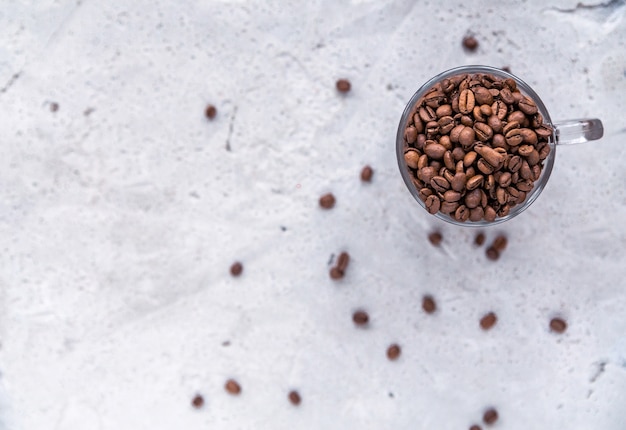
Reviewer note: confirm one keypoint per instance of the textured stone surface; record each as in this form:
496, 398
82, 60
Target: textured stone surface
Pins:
121, 213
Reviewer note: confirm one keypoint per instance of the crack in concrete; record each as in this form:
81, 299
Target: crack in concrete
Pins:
601, 367
591, 6
231, 128
10, 82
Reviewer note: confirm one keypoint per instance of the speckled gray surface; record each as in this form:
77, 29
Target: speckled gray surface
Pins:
121, 212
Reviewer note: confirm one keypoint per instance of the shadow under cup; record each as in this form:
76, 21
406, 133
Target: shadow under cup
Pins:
402, 145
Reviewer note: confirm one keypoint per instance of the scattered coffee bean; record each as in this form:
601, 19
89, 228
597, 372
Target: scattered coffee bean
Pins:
495, 131
54, 106
490, 416
210, 111
336, 273
343, 85
232, 387
236, 268
558, 325
366, 174
488, 321
360, 318
492, 253
435, 238
294, 398
198, 401
393, 352
327, 201
500, 243
342, 261
428, 304
470, 43
479, 239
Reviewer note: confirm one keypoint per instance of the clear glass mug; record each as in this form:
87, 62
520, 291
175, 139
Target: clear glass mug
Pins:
564, 133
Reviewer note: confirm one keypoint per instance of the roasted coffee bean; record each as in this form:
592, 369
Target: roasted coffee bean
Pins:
421, 139
490, 183
462, 213
482, 96
432, 204
499, 109
198, 401
448, 160
529, 136
422, 161
434, 98
466, 138
294, 398
536, 170
525, 150
426, 173
458, 182
343, 260
448, 207
336, 273
467, 120
478, 115
466, 101
236, 269
210, 112
428, 304
447, 174
525, 171
504, 210
476, 214
424, 193
479, 240
366, 174
343, 85
490, 155
483, 131
472, 199
455, 133
458, 153
491, 252
514, 137
483, 198
475, 427
495, 123
469, 158
427, 114
533, 159
527, 106
544, 131
444, 110
435, 151
439, 184
432, 129
232, 387
498, 141
418, 123
525, 185
447, 86
393, 352
474, 182
558, 325
446, 124
484, 167
452, 196
490, 214
470, 43
490, 416
505, 179
360, 318
410, 134
417, 183
515, 162
544, 150
446, 142
486, 110
510, 125
500, 243
514, 195
501, 195
506, 96
435, 238
327, 201
488, 321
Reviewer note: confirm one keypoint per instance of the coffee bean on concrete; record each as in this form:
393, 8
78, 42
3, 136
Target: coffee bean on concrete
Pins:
488, 321
236, 269
393, 352
198, 401
479, 239
327, 201
490, 416
435, 238
428, 304
232, 387
366, 174
360, 318
210, 112
343, 85
294, 398
470, 43
558, 325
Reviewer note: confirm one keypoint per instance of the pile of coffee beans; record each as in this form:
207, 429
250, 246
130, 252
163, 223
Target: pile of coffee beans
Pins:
474, 147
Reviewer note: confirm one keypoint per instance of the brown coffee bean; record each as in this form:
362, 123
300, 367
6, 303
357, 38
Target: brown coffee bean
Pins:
452, 196
435, 151
515, 162
529, 136
558, 325
327, 201
426, 173
544, 131
490, 183
439, 184
490, 416
470, 43
525, 171
510, 125
490, 155
427, 114
475, 427
448, 207
500, 243
488, 321
495, 123
462, 213
448, 160
410, 134
505, 179
527, 106
366, 174
525, 150
343, 85
455, 133
393, 352
474, 182
476, 214
501, 195
514, 195
360, 318
336, 273
507, 96
428, 304
479, 239
466, 137
417, 183
418, 124
544, 150
294, 398
484, 167
492, 253
482, 96
210, 112
466, 101
446, 124
504, 209
498, 141
424, 193
422, 161
514, 137
472, 199
343, 260
198, 401
232, 387
447, 86
435, 238
432, 204
458, 182
533, 160
434, 98
483, 131
444, 110
486, 110
421, 139
236, 269
499, 109
447, 174
478, 115
432, 129
490, 214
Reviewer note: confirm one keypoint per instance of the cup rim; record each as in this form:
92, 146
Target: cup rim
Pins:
526, 89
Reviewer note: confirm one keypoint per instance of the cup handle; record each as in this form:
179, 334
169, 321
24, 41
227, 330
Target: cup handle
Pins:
578, 131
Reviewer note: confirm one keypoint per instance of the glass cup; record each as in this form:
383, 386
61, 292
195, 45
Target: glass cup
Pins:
564, 133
